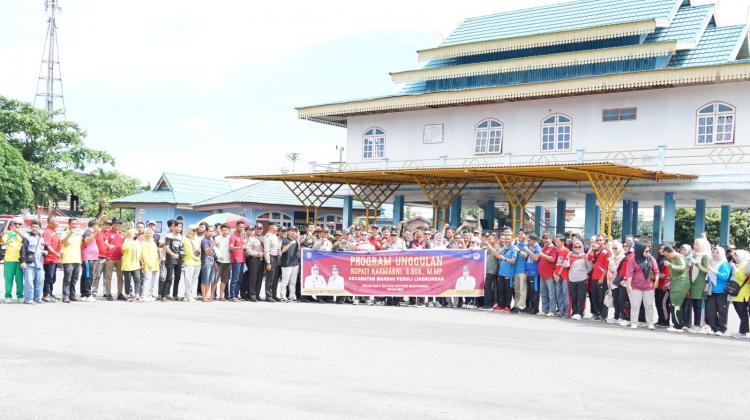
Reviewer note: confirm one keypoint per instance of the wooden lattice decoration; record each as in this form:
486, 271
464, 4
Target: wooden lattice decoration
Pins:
372, 196
312, 195
440, 193
518, 193
608, 190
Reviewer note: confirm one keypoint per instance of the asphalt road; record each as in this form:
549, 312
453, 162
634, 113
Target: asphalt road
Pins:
261, 360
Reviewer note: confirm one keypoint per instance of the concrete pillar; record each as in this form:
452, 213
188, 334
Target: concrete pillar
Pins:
553, 220
489, 214
634, 218
560, 222
656, 234
724, 226
590, 220
538, 220
700, 218
348, 214
670, 210
627, 214
398, 209
455, 212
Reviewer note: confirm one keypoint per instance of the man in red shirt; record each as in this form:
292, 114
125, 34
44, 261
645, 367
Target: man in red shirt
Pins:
562, 269
99, 268
113, 241
51, 260
237, 259
546, 268
600, 258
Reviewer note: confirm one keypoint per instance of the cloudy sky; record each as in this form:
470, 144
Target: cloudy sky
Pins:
209, 87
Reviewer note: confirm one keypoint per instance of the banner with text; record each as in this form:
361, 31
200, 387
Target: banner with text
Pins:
445, 272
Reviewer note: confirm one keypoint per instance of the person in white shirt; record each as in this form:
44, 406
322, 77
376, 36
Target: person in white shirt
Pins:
466, 282
223, 263
314, 280
335, 282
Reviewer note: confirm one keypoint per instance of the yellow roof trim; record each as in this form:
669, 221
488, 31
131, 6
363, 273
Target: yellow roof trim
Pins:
559, 171
588, 34
538, 62
625, 81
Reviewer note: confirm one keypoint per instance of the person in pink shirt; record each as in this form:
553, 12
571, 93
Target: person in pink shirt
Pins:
113, 242
90, 258
51, 260
641, 273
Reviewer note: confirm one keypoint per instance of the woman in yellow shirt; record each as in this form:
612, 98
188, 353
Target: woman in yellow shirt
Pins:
742, 300
192, 263
131, 265
149, 265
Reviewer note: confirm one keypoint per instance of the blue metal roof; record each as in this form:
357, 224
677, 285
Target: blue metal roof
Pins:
686, 27
178, 189
562, 17
716, 47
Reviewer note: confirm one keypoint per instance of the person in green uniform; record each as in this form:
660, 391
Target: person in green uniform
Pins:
13, 239
679, 286
701, 258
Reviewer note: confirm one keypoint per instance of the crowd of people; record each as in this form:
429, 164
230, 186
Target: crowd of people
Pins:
686, 289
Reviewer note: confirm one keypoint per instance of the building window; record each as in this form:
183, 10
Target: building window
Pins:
324, 221
488, 137
556, 133
716, 124
373, 143
275, 218
620, 114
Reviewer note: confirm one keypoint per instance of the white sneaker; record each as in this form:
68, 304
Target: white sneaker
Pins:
634, 326
695, 330
370, 302
576, 317
550, 314
651, 327
673, 329
624, 323
355, 301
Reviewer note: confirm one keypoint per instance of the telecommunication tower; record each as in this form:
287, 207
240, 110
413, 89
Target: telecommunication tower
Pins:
49, 85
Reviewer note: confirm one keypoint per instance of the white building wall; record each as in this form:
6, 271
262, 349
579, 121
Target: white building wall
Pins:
665, 117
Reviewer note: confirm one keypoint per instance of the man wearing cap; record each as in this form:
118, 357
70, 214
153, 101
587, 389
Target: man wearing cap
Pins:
271, 252
289, 266
113, 241
255, 266
71, 260
51, 260
13, 241
374, 237
324, 243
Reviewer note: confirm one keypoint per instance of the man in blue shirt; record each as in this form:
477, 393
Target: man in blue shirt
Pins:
507, 271
519, 275
532, 275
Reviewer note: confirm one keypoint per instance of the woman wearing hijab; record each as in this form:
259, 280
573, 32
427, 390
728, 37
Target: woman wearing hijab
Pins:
580, 267
740, 302
701, 258
614, 279
662, 288
640, 274
131, 265
679, 286
717, 305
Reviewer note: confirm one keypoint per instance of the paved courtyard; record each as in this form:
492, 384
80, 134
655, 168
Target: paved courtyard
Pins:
261, 360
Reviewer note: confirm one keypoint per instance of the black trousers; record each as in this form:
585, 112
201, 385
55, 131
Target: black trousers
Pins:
577, 293
619, 298
717, 309
490, 283
662, 306
50, 274
533, 283
598, 290
255, 269
132, 281
174, 273
71, 272
742, 311
272, 278
245, 284
504, 292
697, 310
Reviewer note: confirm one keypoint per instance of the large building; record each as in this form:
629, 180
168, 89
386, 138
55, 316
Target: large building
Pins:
597, 104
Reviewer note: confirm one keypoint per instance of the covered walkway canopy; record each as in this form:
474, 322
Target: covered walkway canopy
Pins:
440, 185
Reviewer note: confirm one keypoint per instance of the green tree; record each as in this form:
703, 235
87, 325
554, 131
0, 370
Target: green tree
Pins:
739, 226
15, 188
102, 186
54, 151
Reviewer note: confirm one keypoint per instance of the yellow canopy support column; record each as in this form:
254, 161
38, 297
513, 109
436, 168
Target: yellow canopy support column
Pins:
608, 190
312, 195
372, 196
440, 193
518, 193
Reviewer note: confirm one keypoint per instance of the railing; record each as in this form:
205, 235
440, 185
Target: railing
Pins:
692, 160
